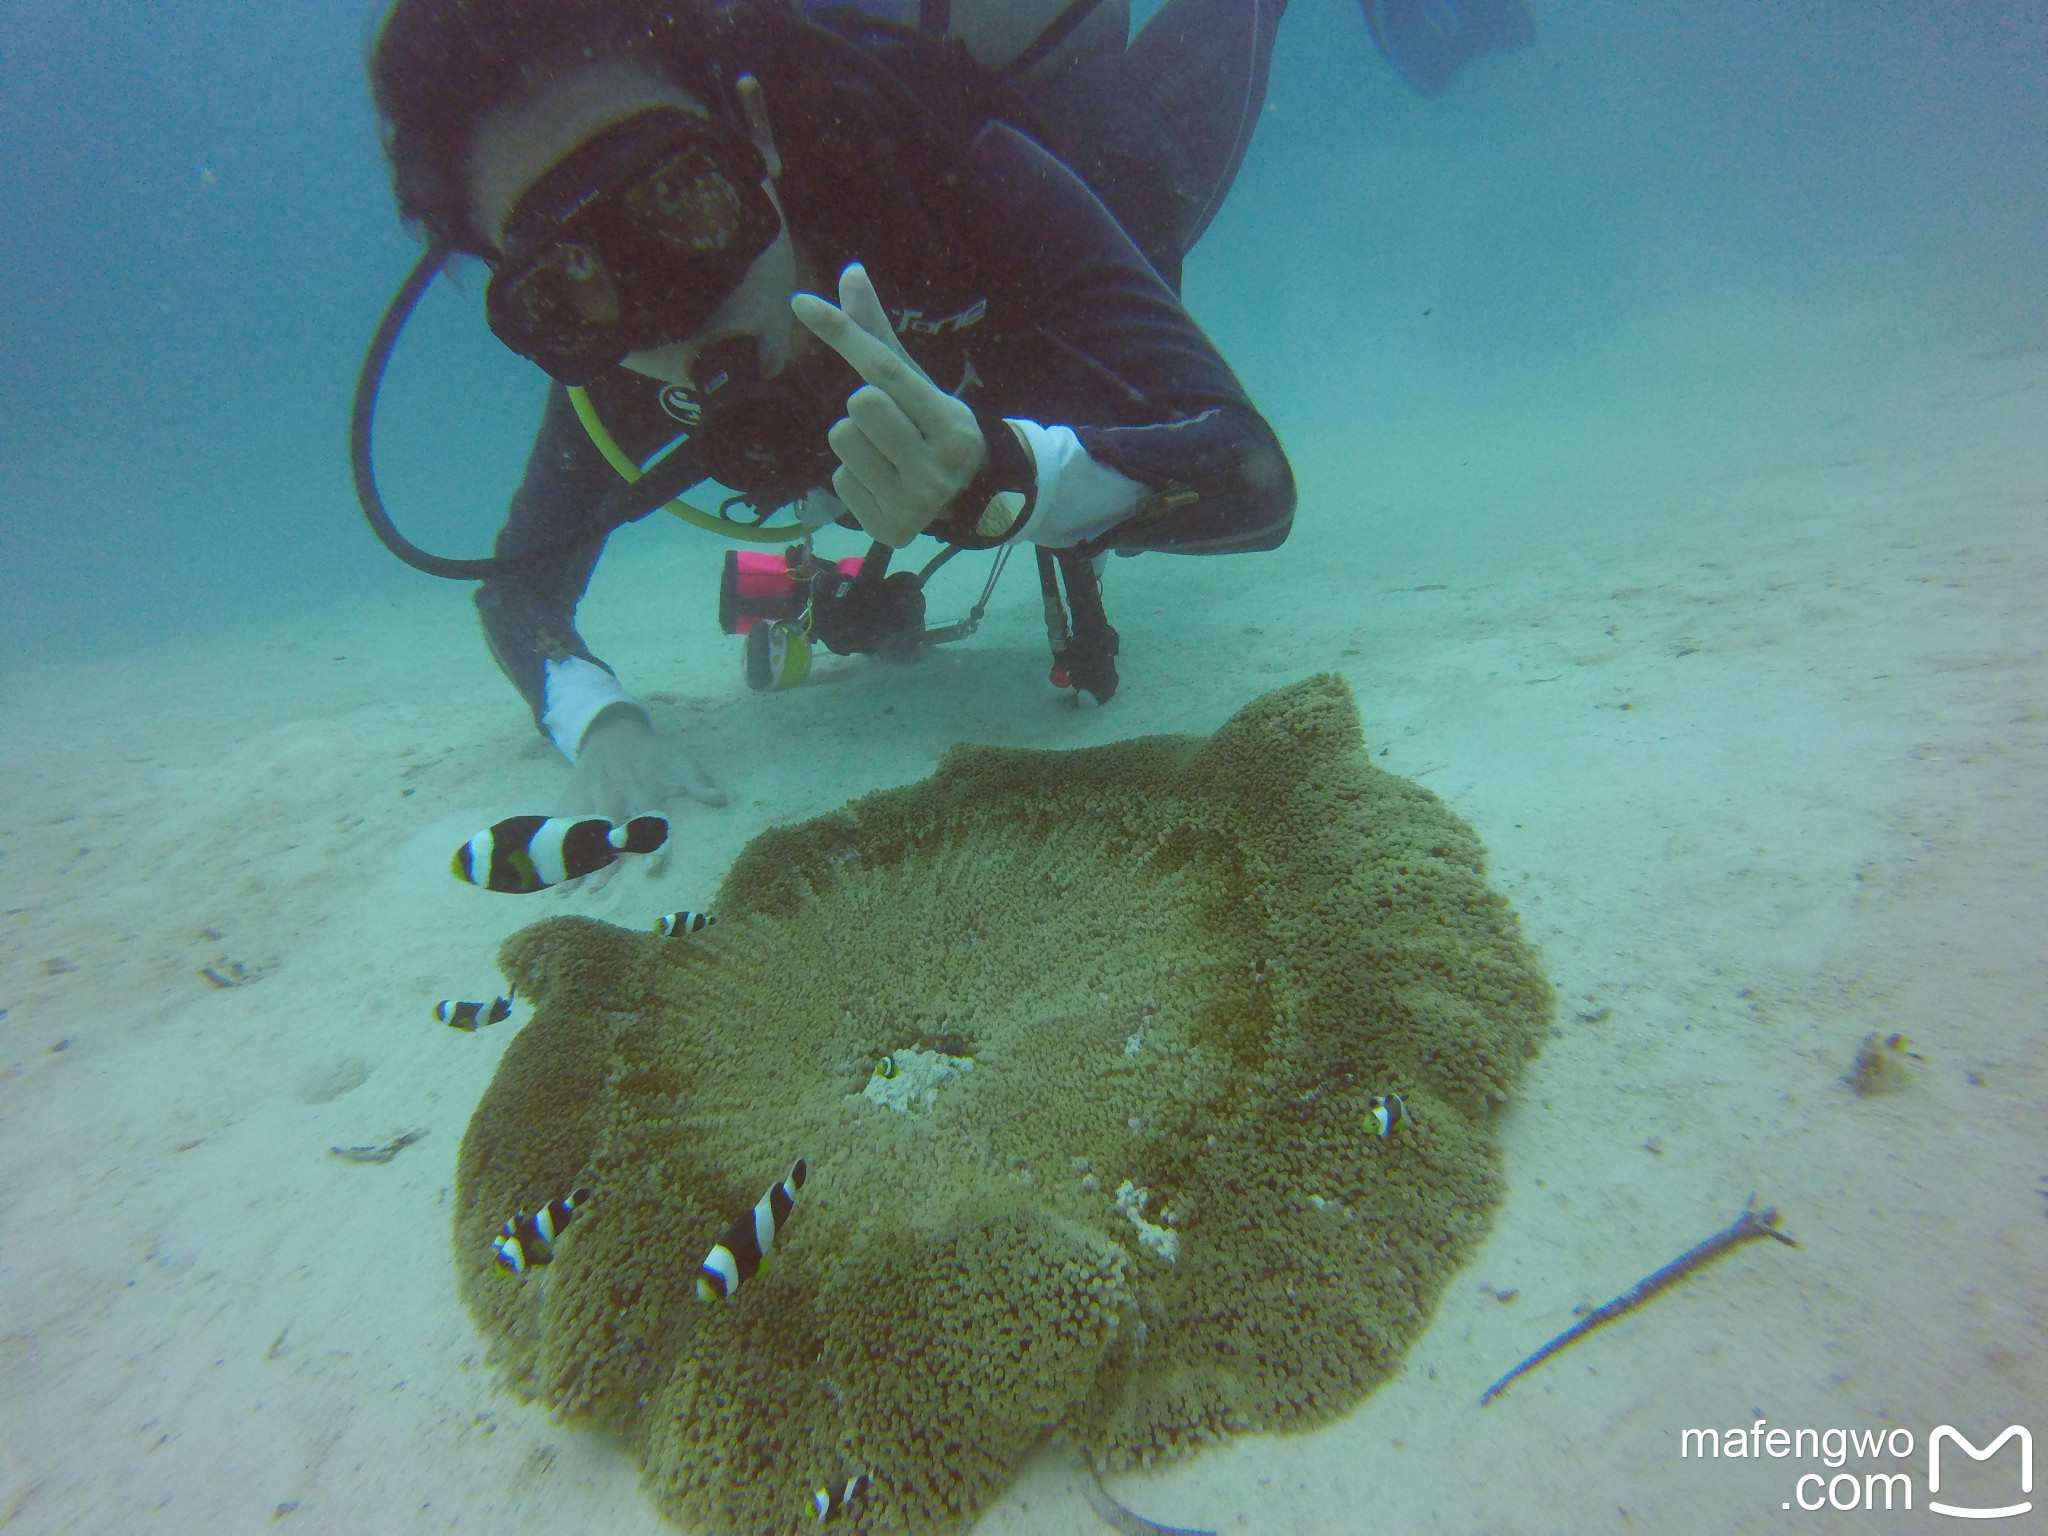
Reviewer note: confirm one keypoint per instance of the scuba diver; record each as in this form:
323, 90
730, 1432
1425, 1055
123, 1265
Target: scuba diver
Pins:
997, 195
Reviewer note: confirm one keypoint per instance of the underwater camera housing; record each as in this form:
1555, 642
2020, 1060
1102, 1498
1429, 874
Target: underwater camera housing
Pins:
781, 602
758, 585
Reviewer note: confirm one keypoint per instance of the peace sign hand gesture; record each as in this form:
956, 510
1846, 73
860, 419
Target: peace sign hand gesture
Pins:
906, 448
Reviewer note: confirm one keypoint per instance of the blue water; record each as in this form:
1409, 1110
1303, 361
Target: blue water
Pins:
1603, 241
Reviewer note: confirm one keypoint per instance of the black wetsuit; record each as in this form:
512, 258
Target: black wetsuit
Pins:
1010, 283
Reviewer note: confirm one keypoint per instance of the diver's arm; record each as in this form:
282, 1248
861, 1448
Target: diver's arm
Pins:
529, 618
1176, 458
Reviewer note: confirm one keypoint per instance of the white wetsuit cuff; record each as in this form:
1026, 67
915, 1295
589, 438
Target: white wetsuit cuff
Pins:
577, 692
1077, 498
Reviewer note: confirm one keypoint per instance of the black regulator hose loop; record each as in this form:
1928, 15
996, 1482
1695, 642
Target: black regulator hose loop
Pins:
364, 414
628, 503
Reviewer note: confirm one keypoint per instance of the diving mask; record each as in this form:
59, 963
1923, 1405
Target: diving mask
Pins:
629, 243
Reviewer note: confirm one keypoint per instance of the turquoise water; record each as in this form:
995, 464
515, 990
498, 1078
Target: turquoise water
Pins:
1667, 403
1659, 219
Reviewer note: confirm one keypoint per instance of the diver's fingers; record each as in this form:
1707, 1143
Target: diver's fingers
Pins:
882, 525
884, 365
870, 465
857, 297
894, 436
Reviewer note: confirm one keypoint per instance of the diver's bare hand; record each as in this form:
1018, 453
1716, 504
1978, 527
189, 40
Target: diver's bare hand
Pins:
625, 768
906, 448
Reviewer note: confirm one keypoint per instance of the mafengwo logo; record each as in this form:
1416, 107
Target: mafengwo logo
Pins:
1872, 1469
1949, 1435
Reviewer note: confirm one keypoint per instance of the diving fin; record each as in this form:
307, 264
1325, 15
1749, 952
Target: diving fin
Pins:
1428, 41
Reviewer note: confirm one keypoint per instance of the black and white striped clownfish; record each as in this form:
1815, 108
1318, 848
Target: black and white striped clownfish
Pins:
737, 1256
831, 1500
1387, 1112
526, 1241
677, 925
522, 854
468, 1016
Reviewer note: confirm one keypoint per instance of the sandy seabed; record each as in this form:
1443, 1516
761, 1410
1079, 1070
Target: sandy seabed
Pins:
1761, 757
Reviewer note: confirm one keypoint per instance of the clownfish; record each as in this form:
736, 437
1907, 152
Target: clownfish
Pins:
1387, 1112
886, 1068
737, 1256
832, 1499
675, 925
522, 854
468, 1016
526, 1241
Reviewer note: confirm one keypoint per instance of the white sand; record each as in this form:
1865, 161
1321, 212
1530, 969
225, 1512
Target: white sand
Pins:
1760, 755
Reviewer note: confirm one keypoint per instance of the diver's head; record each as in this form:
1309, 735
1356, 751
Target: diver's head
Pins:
630, 225
611, 170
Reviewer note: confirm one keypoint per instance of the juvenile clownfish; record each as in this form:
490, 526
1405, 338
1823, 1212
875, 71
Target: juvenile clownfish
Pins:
522, 854
737, 1256
527, 1241
675, 925
1387, 1112
832, 1499
468, 1016
886, 1068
